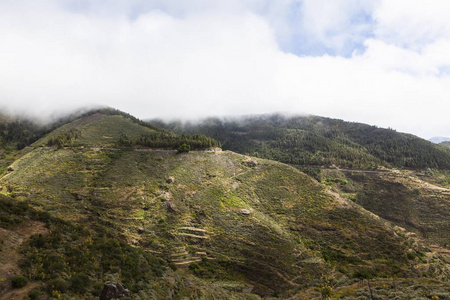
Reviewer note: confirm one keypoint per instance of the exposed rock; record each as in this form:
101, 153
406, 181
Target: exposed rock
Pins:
252, 163
165, 196
112, 290
170, 179
245, 211
140, 230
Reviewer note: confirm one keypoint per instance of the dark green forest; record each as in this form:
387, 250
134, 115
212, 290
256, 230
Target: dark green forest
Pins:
171, 141
318, 141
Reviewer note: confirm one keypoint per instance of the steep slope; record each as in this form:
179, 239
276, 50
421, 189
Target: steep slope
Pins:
408, 199
241, 223
313, 140
98, 129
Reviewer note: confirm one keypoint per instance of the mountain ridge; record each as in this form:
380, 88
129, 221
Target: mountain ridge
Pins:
318, 141
233, 225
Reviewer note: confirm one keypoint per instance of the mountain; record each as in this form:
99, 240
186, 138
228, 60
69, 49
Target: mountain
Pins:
439, 139
318, 141
108, 197
355, 159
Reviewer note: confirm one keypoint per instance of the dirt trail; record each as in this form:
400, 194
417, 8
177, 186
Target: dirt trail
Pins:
19, 294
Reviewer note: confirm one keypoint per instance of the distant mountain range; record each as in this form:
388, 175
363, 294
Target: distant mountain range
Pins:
439, 139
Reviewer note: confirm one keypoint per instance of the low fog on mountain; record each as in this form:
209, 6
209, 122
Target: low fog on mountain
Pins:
377, 62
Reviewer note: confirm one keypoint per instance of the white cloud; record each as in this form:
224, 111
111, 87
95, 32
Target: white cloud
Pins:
335, 24
412, 23
217, 57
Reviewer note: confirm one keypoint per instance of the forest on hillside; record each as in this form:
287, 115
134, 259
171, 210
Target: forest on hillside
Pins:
319, 141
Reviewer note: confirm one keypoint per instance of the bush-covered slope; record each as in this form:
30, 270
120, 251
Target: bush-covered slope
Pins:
210, 223
41, 256
312, 140
106, 129
404, 198
445, 144
226, 217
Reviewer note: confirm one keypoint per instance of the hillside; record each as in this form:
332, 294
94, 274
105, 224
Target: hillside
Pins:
337, 153
445, 144
319, 141
198, 224
419, 202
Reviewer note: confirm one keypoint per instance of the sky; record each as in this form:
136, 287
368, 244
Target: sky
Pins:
381, 62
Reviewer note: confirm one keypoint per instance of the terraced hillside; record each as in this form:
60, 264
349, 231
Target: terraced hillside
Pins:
194, 224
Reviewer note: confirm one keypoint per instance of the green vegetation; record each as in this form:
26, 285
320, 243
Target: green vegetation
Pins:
318, 141
73, 252
445, 144
292, 224
73, 257
19, 281
184, 148
20, 133
170, 141
219, 224
34, 295
64, 139
404, 202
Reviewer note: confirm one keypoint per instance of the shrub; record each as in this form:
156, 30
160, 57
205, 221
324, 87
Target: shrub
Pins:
97, 288
79, 282
34, 295
184, 148
57, 284
19, 281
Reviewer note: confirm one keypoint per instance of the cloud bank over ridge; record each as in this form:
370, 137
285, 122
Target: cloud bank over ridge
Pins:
378, 62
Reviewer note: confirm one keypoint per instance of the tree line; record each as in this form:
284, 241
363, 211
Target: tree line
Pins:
319, 141
165, 140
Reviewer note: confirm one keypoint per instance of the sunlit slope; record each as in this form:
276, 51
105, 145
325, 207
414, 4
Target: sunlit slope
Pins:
236, 221
251, 220
98, 129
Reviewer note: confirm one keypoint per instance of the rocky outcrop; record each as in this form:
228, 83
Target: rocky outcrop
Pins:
112, 290
245, 211
251, 163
